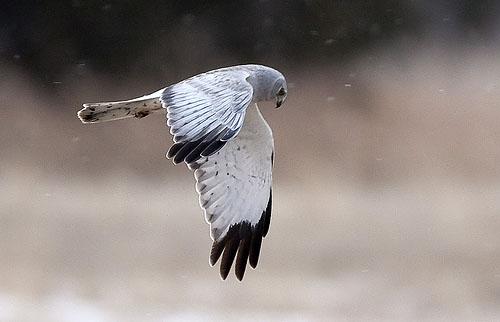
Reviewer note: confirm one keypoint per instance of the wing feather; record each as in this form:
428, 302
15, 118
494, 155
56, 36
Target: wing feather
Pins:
202, 107
234, 187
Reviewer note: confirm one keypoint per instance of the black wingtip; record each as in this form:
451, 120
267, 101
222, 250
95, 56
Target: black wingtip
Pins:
242, 259
192, 151
217, 248
243, 251
243, 243
174, 149
212, 148
228, 257
267, 214
255, 250
239, 275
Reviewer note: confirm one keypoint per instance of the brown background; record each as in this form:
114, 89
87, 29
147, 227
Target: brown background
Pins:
386, 183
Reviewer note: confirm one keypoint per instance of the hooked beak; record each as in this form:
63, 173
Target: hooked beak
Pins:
279, 101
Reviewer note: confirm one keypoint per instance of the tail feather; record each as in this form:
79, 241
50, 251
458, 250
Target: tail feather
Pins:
109, 111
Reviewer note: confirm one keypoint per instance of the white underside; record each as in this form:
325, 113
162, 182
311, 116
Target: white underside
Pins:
234, 184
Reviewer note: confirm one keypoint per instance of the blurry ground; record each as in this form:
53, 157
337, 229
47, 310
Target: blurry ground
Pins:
387, 189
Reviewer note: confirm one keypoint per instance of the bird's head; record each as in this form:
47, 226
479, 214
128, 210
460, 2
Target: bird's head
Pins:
280, 91
268, 84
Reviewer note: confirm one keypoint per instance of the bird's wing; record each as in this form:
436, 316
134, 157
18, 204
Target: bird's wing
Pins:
205, 111
234, 187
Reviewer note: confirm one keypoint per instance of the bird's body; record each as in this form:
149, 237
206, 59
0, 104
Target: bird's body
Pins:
221, 135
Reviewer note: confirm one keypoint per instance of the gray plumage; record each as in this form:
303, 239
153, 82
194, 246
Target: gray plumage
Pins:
224, 139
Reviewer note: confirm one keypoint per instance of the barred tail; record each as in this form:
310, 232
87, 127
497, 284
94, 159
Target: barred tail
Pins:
110, 111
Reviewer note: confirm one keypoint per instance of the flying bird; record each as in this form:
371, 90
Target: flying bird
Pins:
219, 132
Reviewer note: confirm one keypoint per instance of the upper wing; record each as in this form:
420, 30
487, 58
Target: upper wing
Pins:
205, 111
234, 187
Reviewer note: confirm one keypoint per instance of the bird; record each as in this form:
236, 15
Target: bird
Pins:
220, 134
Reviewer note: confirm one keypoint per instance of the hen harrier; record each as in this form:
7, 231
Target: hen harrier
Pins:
222, 136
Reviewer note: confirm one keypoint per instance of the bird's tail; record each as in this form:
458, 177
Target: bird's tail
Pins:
110, 111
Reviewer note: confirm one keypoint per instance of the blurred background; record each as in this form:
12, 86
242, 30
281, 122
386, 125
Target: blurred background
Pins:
387, 172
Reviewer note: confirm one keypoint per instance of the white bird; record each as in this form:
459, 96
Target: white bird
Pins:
219, 132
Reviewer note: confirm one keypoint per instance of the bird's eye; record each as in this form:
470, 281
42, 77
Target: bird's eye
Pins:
281, 92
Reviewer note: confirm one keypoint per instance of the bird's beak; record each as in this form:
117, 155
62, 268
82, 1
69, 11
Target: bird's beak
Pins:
279, 101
